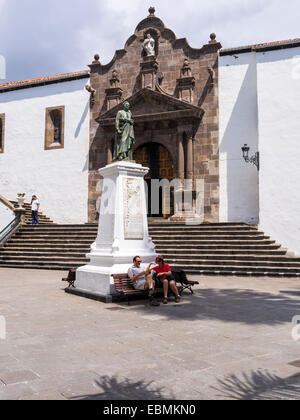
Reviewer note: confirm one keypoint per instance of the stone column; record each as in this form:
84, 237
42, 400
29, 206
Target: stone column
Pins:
189, 160
184, 206
180, 174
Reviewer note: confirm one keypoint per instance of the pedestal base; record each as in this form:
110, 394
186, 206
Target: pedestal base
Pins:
123, 230
187, 218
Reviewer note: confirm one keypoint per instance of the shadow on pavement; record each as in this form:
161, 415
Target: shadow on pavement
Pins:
229, 305
259, 385
117, 389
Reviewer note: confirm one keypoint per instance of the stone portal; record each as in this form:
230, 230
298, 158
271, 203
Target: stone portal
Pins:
173, 95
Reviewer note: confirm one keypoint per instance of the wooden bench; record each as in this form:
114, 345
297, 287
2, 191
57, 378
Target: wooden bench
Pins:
125, 289
71, 277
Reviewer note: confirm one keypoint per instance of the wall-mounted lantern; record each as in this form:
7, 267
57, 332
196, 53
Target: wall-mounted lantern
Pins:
253, 159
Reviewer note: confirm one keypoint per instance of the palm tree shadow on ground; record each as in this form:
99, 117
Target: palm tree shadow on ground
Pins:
259, 385
113, 388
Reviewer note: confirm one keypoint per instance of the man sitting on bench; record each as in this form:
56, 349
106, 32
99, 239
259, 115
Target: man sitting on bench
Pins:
142, 279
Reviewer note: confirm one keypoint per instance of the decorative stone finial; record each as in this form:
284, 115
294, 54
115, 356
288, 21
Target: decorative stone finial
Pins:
152, 11
97, 57
213, 38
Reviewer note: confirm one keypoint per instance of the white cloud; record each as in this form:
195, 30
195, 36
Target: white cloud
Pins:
2, 4
53, 36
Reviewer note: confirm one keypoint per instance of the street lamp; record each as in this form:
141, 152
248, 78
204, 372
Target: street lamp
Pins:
253, 159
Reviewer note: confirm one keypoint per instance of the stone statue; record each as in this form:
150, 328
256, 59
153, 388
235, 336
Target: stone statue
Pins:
124, 138
149, 46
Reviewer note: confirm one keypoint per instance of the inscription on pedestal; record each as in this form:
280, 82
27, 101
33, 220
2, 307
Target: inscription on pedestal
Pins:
133, 209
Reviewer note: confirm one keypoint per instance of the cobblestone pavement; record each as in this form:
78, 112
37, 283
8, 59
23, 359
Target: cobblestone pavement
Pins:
231, 340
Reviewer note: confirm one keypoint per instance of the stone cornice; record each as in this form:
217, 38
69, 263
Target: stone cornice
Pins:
169, 115
178, 104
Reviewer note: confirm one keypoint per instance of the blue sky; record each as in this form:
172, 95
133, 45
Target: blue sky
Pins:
45, 37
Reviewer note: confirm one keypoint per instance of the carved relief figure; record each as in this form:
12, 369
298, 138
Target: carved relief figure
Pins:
149, 46
124, 138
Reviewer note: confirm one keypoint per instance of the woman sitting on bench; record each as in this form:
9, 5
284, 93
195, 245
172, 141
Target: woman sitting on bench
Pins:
163, 273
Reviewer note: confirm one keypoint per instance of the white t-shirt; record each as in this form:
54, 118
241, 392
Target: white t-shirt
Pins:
133, 271
34, 205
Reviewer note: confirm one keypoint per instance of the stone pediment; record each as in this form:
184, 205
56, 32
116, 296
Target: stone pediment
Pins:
149, 105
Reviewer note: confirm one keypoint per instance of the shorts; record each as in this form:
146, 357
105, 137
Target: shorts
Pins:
169, 278
139, 284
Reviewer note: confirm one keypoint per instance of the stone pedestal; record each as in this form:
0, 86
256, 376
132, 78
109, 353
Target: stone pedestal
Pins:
20, 212
123, 230
186, 206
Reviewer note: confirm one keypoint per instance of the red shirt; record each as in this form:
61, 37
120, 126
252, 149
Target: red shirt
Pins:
164, 269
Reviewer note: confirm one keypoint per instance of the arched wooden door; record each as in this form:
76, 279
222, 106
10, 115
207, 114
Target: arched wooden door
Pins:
159, 160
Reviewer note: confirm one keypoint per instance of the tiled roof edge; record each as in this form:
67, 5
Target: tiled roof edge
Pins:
268, 46
42, 81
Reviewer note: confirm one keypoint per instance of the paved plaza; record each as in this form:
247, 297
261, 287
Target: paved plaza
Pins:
231, 340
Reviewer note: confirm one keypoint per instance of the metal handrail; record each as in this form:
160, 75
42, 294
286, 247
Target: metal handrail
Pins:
6, 232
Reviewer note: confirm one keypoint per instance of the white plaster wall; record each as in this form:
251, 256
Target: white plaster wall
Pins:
6, 216
58, 177
239, 196
279, 129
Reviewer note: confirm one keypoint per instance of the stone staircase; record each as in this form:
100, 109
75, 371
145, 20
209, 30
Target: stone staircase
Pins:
212, 249
222, 249
42, 218
49, 247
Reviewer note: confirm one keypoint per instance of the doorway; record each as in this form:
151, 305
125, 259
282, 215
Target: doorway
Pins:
157, 157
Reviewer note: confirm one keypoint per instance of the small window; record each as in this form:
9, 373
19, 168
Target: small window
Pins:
55, 124
2, 128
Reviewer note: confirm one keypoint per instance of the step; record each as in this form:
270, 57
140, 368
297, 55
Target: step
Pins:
54, 248
53, 238
240, 273
56, 229
42, 259
230, 252
196, 237
231, 268
181, 224
234, 262
40, 266
40, 242
209, 228
222, 257
188, 242
42, 253
233, 247
199, 232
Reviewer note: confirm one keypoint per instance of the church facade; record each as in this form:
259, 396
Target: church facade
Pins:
193, 110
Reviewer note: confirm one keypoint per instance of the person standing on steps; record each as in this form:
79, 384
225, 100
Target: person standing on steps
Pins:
35, 205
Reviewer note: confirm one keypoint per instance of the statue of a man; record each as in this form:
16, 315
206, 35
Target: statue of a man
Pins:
149, 45
124, 138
